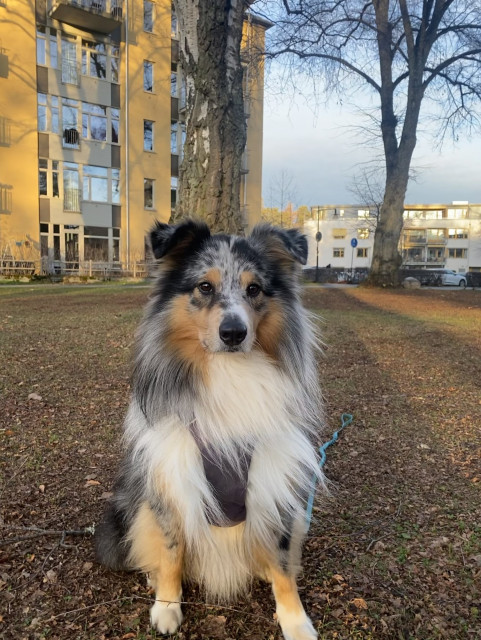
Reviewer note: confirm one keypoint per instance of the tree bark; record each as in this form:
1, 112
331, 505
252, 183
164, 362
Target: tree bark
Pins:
210, 172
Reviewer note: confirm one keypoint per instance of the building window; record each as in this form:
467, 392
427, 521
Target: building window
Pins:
458, 234
148, 76
363, 213
363, 233
173, 81
174, 25
95, 183
435, 255
183, 137
71, 187
114, 124
94, 122
41, 46
173, 137
338, 253
55, 188
42, 176
5, 198
148, 193
434, 214
53, 48
362, 252
457, 213
71, 137
54, 119
114, 63
339, 234
69, 60
115, 186
42, 111
148, 135
96, 244
47, 115
173, 191
148, 16
116, 245
94, 59
458, 253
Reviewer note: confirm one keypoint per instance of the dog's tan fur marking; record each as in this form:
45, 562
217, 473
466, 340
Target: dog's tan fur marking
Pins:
247, 278
151, 553
213, 276
270, 328
186, 328
285, 591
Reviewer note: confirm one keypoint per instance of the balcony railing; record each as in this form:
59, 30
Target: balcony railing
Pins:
71, 200
414, 239
71, 138
93, 15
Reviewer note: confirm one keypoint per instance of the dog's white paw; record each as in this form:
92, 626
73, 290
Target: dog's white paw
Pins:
296, 626
166, 617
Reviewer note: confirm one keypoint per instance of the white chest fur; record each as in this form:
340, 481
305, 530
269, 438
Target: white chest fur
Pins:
248, 402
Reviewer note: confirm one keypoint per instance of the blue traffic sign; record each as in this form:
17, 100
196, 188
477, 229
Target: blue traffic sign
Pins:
354, 243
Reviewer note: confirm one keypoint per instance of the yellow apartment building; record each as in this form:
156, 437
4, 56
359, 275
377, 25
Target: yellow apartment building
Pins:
91, 128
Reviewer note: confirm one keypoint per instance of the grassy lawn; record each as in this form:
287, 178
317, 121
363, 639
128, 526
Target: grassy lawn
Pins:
394, 552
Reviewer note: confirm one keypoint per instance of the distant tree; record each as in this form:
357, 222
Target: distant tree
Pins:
302, 214
210, 33
287, 218
282, 190
271, 215
367, 187
405, 52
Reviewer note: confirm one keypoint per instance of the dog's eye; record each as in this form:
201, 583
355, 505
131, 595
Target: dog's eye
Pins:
205, 287
253, 290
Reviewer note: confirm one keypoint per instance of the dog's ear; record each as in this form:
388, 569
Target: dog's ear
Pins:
173, 240
281, 244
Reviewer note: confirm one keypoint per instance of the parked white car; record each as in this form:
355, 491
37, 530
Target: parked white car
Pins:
451, 277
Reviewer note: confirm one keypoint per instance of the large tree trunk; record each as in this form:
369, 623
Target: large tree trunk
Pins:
210, 173
386, 259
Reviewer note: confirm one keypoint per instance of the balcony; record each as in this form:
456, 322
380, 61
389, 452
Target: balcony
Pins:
102, 16
414, 240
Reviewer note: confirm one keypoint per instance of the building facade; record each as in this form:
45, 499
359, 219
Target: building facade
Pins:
433, 236
91, 128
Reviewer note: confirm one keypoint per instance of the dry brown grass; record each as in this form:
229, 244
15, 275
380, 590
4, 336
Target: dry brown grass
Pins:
394, 553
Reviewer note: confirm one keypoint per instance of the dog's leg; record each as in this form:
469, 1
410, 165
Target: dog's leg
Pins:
161, 556
294, 622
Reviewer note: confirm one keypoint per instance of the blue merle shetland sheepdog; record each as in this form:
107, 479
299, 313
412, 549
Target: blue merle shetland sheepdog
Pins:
220, 432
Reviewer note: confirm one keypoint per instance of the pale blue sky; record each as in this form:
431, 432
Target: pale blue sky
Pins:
322, 154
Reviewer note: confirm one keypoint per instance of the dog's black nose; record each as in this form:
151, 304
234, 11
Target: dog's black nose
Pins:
232, 331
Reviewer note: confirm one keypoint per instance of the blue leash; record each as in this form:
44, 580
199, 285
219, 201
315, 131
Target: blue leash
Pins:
346, 419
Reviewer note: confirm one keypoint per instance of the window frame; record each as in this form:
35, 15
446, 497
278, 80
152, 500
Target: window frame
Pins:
152, 139
152, 197
152, 16
148, 64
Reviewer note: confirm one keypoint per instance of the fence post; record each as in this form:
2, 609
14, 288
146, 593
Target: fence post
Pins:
90, 268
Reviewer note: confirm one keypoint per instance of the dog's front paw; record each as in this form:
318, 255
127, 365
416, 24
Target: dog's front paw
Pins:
166, 617
296, 626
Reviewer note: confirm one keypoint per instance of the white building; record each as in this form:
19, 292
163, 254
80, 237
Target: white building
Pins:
433, 236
